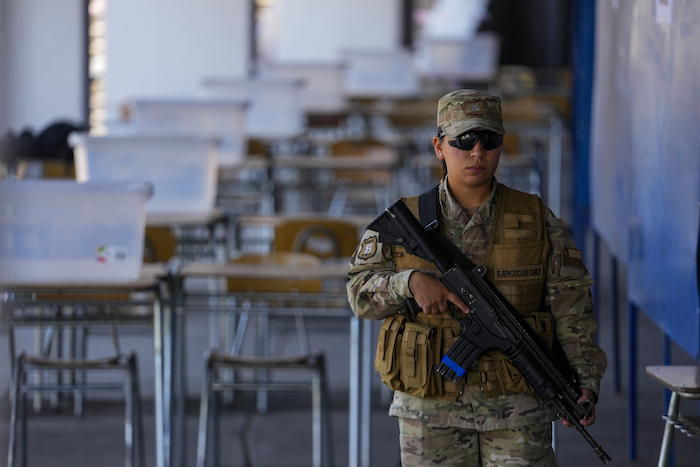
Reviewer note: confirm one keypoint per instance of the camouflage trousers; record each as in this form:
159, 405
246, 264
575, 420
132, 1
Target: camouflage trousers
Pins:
425, 444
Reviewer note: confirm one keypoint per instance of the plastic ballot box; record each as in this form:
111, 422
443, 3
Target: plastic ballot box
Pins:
64, 232
183, 170
224, 119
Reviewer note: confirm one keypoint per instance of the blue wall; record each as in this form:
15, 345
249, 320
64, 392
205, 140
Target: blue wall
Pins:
645, 156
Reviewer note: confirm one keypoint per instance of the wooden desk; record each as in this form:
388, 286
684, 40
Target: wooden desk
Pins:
21, 297
237, 270
360, 221
684, 382
149, 275
181, 219
382, 161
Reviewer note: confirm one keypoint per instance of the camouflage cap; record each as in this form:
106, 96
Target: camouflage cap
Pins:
467, 109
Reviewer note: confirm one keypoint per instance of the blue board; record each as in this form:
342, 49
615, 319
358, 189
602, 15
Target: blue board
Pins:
645, 156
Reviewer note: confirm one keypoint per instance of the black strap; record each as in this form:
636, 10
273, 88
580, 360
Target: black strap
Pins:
429, 208
428, 213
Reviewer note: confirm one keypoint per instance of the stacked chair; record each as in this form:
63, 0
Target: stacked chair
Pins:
218, 364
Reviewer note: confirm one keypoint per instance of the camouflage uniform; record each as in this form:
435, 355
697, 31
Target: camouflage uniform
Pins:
427, 444
376, 290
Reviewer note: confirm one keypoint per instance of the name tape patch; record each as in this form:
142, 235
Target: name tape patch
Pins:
521, 273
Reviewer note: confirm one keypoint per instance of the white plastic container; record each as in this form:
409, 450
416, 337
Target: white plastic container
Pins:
379, 74
275, 110
474, 60
323, 84
224, 119
63, 232
183, 170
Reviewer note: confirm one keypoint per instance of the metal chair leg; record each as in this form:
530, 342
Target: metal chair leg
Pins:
129, 418
304, 342
133, 420
327, 428
317, 419
23, 451
262, 351
204, 414
138, 412
669, 429
214, 428
14, 402
79, 394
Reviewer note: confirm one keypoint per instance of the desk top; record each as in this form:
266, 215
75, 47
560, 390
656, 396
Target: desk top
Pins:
383, 160
255, 271
184, 218
678, 378
150, 274
337, 162
254, 220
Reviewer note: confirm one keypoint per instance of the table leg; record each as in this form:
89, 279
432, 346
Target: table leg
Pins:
162, 459
179, 389
360, 392
168, 367
366, 367
354, 396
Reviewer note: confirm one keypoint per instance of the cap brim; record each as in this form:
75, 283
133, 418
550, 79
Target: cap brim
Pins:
457, 128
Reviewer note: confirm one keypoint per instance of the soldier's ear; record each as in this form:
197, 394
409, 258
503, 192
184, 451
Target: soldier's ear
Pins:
437, 145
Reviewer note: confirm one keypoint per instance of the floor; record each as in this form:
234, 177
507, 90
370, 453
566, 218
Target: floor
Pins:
282, 436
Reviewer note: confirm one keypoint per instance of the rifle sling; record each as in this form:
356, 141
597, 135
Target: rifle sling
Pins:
428, 213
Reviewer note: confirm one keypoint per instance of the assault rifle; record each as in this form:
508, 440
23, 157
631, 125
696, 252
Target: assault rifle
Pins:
492, 323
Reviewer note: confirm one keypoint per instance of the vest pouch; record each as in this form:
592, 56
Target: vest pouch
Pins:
419, 354
500, 376
386, 361
542, 323
512, 381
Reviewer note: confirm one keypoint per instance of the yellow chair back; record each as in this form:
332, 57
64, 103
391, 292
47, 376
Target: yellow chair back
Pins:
273, 286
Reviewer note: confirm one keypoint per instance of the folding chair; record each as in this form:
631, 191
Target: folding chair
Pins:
23, 365
213, 382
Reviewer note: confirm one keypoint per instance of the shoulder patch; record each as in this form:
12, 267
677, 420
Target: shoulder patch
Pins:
572, 257
368, 248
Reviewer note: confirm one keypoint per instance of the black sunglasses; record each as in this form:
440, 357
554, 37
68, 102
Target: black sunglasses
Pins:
466, 141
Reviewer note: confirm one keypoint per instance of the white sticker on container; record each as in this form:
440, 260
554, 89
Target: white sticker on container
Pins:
111, 254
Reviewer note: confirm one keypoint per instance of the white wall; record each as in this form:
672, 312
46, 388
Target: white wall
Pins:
42, 63
159, 48
3, 71
318, 30
163, 48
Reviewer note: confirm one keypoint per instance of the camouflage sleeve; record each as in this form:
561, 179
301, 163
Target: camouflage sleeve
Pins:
568, 297
375, 289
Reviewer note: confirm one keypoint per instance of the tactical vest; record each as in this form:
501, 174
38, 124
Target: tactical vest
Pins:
410, 350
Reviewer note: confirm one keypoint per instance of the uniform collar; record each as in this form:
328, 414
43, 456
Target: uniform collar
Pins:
454, 212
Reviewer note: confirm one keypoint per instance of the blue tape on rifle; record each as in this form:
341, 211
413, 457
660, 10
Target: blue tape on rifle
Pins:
453, 366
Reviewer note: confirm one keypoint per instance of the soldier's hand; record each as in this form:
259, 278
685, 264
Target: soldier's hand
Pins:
587, 395
432, 295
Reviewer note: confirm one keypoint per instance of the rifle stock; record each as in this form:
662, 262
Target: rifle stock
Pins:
491, 324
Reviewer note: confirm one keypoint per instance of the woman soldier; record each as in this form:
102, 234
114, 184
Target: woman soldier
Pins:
491, 417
